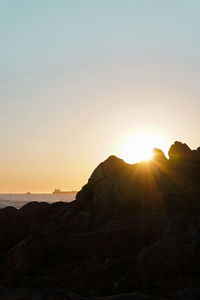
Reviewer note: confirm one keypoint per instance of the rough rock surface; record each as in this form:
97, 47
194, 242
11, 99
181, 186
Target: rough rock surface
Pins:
133, 232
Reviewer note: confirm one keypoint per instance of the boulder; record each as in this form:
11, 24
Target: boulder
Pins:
133, 231
179, 151
34, 215
7, 293
112, 167
186, 294
158, 155
168, 258
24, 258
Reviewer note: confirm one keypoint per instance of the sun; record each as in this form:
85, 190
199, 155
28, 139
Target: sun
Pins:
138, 146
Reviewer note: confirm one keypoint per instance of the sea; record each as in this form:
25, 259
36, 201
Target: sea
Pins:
18, 200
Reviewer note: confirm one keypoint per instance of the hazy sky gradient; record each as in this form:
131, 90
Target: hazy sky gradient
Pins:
76, 75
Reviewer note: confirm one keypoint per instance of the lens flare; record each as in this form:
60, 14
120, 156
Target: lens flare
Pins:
139, 146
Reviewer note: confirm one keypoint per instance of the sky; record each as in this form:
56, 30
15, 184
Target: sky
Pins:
77, 76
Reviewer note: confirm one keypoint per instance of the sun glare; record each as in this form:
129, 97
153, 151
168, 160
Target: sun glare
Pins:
139, 146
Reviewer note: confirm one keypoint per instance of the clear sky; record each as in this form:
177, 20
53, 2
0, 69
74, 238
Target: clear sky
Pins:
76, 76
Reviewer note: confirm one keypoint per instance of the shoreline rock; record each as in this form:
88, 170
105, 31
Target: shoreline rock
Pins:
132, 231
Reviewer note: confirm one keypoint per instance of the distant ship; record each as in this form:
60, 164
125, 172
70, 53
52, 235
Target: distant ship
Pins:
57, 191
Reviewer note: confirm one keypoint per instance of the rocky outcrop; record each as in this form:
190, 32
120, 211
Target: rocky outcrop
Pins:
159, 156
180, 152
133, 232
24, 258
124, 189
58, 294
40, 294
168, 257
105, 175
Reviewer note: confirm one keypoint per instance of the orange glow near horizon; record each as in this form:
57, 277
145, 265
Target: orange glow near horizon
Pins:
60, 166
138, 146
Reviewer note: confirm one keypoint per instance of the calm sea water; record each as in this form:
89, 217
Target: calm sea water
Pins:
18, 200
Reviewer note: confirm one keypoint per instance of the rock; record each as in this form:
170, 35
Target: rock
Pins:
133, 231
11, 229
158, 155
120, 189
132, 296
168, 257
7, 293
34, 215
81, 220
9, 216
24, 257
179, 150
186, 294
112, 167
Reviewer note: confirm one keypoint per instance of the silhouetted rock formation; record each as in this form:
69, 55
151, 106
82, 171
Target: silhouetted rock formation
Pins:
181, 152
132, 232
145, 187
158, 155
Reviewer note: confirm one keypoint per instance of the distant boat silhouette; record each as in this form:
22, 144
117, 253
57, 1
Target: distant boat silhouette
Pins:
58, 191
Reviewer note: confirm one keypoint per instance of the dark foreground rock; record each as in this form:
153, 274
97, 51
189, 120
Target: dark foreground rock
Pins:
57, 294
133, 232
